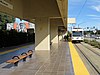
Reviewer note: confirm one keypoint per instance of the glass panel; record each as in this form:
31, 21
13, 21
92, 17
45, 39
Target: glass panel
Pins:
77, 33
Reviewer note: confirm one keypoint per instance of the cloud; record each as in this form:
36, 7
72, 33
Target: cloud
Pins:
95, 2
97, 8
97, 18
92, 15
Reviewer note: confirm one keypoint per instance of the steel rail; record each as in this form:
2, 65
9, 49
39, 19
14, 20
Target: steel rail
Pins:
88, 60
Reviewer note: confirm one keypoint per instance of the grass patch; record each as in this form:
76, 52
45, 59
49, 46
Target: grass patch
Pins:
93, 43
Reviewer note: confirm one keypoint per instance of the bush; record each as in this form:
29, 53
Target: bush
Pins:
99, 45
96, 45
93, 43
86, 41
13, 38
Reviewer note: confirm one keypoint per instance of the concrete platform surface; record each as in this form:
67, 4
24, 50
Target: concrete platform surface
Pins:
57, 61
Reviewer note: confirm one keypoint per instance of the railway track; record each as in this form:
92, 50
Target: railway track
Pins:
89, 58
91, 50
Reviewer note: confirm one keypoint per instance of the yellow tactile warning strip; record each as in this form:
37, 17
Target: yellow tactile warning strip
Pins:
78, 65
12, 50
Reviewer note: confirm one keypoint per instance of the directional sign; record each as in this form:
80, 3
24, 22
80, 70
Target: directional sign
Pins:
94, 31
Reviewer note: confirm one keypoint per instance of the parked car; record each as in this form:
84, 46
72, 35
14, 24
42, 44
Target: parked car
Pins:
97, 37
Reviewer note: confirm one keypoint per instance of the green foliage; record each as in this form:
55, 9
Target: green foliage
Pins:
88, 32
13, 38
69, 36
4, 19
93, 43
99, 45
85, 40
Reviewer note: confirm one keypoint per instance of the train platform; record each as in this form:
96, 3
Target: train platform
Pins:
62, 59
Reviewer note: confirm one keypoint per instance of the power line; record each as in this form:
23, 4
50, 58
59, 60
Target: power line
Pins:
81, 9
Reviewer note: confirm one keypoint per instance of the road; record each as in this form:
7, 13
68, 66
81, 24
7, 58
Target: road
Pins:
8, 54
93, 39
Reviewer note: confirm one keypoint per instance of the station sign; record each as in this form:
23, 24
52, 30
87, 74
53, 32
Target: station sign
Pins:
71, 20
6, 4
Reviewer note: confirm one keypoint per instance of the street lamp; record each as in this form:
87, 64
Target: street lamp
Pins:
81, 23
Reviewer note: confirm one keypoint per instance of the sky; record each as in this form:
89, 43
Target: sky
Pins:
86, 12
19, 21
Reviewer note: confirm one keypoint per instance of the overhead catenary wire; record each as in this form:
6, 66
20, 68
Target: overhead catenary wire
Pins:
81, 9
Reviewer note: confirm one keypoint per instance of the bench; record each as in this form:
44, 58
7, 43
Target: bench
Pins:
23, 56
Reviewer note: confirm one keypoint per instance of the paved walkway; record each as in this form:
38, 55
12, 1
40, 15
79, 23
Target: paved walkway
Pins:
9, 53
14, 47
57, 61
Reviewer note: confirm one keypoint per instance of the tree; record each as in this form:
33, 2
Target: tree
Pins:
4, 19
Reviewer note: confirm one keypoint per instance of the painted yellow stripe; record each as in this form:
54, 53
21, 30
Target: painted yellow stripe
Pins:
78, 65
12, 50
8, 51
